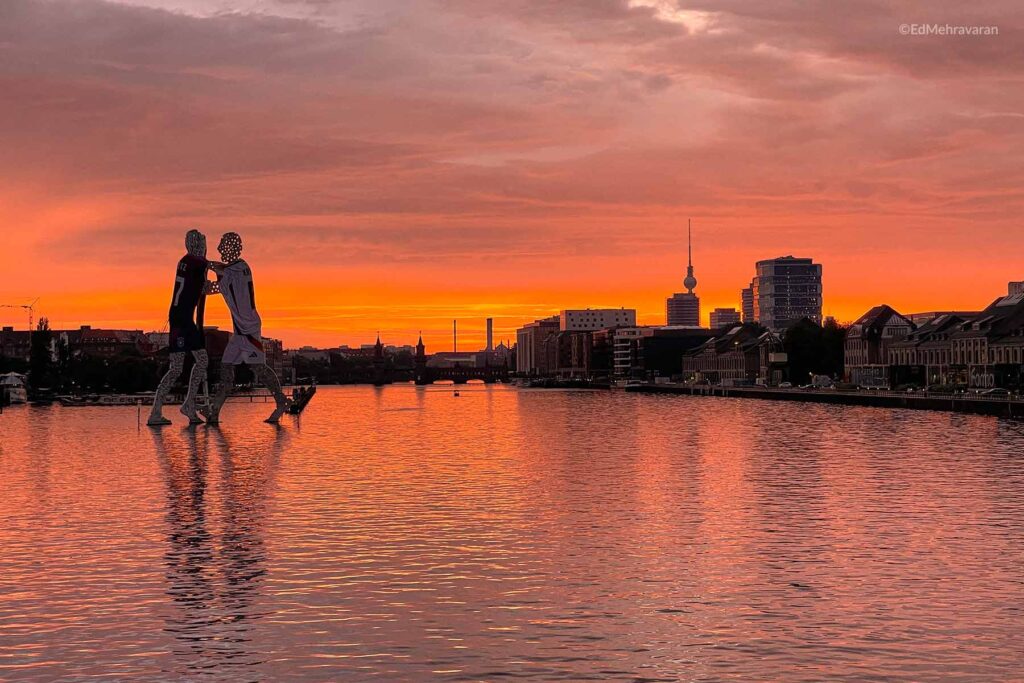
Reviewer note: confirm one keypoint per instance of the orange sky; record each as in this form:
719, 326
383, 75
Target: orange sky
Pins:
392, 165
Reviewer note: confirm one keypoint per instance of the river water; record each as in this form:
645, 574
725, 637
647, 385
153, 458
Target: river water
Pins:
405, 534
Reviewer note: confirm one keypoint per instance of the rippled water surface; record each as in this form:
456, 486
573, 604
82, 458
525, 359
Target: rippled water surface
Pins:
408, 534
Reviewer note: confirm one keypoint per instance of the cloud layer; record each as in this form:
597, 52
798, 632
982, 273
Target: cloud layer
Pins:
400, 158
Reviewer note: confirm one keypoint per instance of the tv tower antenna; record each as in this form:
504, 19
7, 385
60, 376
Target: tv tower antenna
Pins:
690, 282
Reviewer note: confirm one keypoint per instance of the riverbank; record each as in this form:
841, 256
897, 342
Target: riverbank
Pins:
957, 403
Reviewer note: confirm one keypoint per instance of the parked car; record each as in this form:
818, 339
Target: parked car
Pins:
996, 392
785, 385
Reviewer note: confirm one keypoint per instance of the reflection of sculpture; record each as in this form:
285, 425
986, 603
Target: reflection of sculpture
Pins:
215, 560
234, 283
186, 325
189, 558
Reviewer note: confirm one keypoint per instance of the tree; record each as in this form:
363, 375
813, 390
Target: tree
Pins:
833, 337
805, 350
813, 349
40, 363
65, 363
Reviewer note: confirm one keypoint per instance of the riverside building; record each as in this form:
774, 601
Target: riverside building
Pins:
532, 356
724, 317
785, 290
590, 319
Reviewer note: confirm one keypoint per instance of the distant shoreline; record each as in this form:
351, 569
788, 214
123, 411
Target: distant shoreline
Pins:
956, 403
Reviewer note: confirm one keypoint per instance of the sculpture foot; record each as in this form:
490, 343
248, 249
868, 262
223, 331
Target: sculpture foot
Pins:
193, 419
282, 406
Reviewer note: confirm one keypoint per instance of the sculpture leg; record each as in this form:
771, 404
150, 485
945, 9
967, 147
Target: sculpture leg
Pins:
224, 386
188, 408
156, 416
270, 381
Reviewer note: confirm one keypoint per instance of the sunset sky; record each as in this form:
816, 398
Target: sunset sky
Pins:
393, 164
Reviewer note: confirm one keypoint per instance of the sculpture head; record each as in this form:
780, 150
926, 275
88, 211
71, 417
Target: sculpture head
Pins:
195, 243
230, 247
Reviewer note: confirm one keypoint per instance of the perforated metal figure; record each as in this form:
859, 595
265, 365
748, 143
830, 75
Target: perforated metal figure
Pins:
185, 319
234, 283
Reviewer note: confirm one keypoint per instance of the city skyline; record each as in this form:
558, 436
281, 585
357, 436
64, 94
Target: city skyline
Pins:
392, 166
473, 331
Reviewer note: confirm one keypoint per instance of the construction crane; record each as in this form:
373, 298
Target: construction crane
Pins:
30, 307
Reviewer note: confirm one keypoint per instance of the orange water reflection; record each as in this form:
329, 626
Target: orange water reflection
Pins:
408, 534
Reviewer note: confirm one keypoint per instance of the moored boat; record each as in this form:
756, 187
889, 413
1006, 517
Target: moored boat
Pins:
13, 384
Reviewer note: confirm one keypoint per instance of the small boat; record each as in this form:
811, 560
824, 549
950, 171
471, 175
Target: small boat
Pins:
13, 384
107, 400
119, 400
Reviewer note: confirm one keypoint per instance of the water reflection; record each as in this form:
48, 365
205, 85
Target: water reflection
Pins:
216, 557
404, 534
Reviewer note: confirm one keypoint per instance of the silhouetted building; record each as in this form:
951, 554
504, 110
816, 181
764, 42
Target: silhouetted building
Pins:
988, 350
658, 354
216, 341
275, 355
785, 290
740, 356
311, 353
15, 343
747, 301
925, 355
590, 319
532, 356
379, 374
683, 310
625, 346
420, 363
102, 343
724, 317
574, 354
503, 355
867, 345
922, 318
455, 359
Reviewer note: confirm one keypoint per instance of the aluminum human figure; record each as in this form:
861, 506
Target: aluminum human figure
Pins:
185, 319
234, 283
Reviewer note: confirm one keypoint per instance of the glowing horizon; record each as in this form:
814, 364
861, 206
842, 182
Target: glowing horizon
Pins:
392, 165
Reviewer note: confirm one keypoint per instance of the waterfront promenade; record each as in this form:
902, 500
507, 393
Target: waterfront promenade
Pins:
957, 403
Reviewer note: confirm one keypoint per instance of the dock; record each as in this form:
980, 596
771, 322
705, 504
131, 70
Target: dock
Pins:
923, 400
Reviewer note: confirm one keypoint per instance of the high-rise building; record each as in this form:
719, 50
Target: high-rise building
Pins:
683, 309
747, 298
1016, 288
785, 290
724, 317
590, 319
